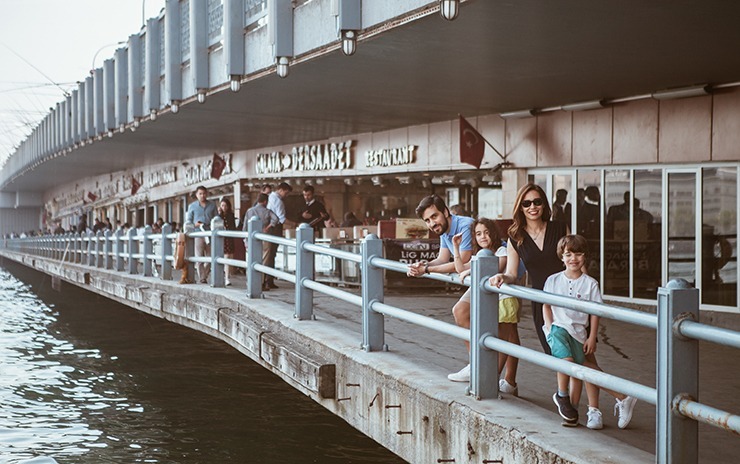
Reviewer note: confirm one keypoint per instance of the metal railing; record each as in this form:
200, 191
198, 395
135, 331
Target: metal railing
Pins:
678, 331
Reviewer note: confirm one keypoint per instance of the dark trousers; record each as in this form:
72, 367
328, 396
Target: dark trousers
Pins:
272, 252
539, 321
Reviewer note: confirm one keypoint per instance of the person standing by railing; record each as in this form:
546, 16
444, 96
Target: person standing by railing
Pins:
227, 214
200, 212
534, 239
486, 237
276, 205
572, 335
269, 222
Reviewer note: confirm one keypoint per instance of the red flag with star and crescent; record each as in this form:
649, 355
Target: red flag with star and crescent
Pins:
135, 185
472, 144
217, 167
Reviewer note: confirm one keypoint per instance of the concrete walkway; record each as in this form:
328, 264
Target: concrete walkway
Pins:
624, 350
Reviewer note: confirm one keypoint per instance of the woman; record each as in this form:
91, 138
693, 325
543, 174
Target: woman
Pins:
487, 237
533, 238
227, 214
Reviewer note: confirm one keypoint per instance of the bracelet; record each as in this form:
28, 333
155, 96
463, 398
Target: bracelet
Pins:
426, 268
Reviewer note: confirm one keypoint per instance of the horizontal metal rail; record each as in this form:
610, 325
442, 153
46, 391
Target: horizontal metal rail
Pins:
422, 321
707, 333
708, 415
325, 250
275, 273
233, 262
334, 292
572, 369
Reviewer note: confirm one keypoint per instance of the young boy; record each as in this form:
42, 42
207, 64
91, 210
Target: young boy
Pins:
572, 335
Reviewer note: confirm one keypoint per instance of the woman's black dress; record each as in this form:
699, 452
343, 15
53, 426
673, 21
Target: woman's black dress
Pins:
540, 265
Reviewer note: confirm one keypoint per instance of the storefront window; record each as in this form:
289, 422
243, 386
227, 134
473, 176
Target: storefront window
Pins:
490, 203
617, 195
719, 236
562, 199
682, 226
588, 216
647, 214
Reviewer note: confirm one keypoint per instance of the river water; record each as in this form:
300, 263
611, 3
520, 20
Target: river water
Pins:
84, 379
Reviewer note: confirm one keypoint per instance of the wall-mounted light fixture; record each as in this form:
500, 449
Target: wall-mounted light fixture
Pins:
518, 114
236, 83
449, 9
175, 106
137, 123
201, 96
584, 106
110, 133
684, 92
122, 128
349, 42
153, 114
282, 66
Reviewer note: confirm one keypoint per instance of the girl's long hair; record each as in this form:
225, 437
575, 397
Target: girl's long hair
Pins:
489, 224
516, 231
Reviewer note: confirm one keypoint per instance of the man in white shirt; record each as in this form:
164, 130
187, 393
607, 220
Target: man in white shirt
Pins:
276, 205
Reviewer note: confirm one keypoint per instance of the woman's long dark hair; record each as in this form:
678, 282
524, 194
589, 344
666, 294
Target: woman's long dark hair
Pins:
489, 224
516, 231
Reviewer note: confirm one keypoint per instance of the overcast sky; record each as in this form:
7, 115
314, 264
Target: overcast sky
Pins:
59, 38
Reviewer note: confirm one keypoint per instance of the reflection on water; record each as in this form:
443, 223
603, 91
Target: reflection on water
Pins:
83, 379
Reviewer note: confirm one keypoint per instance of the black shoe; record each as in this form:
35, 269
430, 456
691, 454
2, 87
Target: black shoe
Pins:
272, 285
265, 288
565, 409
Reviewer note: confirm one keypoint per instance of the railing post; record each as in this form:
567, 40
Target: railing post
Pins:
133, 248
166, 252
372, 287
98, 248
677, 437
148, 246
217, 251
118, 237
89, 248
75, 248
188, 228
304, 270
107, 261
254, 256
483, 323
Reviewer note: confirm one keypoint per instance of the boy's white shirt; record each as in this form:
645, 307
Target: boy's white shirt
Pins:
584, 288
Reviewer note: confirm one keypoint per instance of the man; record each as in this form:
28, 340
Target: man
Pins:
434, 212
270, 222
200, 212
561, 209
276, 205
315, 213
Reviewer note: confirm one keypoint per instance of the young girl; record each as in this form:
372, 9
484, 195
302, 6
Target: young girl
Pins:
486, 236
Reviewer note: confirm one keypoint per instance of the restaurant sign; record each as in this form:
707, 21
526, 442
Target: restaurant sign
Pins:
330, 156
390, 157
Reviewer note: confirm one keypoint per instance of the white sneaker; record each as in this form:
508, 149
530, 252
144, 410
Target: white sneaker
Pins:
506, 387
463, 375
624, 409
227, 283
595, 421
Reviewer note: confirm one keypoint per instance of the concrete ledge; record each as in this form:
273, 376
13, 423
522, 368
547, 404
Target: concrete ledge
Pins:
405, 404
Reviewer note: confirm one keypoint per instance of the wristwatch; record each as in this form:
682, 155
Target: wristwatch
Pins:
426, 268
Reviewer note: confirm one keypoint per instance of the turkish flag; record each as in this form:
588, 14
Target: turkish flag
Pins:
472, 144
135, 185
217, 167
92, 196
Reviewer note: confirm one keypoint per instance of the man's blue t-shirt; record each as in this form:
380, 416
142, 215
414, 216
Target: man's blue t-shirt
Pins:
458, 224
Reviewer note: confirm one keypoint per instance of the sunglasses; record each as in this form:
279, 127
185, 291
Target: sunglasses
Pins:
528, 203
